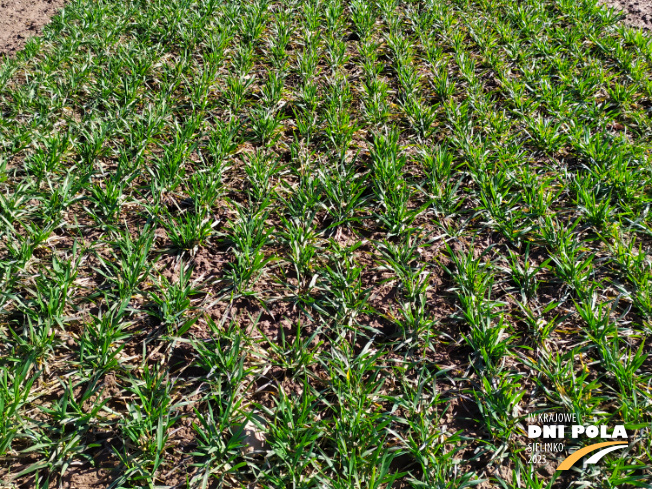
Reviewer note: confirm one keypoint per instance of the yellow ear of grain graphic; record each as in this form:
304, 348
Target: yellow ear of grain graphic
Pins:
575, 456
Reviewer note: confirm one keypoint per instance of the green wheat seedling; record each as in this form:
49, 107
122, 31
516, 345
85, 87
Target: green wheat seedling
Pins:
206, 188
236, 91
624, 363
306, 121
343, 190
363, 18
247, 238
293, 425
173, 301
573, 265
631, 259
421, 116
375, 102
107, 200
397, 215
35, 339
388, 162
265, 126
62, 439
129, 265
261, 168
443, 86
169, 169
489, 337
145, 427
441, 185
546, 134
15, 388
12, 204
47, 160
597, 317
498, 401
301, 242
222, 356
8, 280
223, 140
282, 33
60, 197
219, 445
51, 294
354, 432
539, 196
502, 206
340, 281
272, 91
189, 228
568, 383
524, 276
339, 128
296, 355
336, 52
540, 327
103, 340
597, 208
323, 243
302, 207
307, 64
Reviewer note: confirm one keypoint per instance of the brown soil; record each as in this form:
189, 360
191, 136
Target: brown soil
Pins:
22, 19
639, 12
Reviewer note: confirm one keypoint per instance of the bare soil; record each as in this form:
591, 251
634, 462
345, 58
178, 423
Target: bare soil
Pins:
22, 19
639, 12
